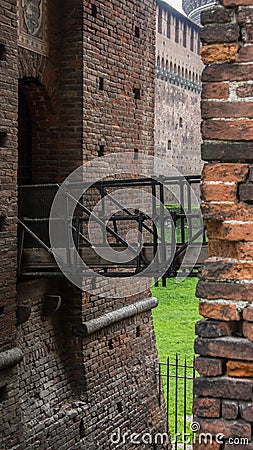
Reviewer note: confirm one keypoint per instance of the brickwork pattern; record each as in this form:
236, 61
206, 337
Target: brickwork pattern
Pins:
93, 93
224, 390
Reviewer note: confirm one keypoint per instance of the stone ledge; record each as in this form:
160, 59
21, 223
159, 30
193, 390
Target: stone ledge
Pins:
110, 318
10, 358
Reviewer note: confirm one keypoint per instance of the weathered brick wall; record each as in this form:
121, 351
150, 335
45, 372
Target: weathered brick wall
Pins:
8, 211
177, 91
72, 390
224, 402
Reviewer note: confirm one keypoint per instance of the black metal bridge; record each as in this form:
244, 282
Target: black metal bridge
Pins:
167, 238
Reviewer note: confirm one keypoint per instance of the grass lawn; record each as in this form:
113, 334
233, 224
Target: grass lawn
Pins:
174, 322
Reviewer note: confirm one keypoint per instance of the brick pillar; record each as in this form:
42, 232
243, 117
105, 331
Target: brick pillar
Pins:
224, 402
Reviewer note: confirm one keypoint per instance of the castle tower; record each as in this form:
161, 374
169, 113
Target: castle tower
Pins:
193, 8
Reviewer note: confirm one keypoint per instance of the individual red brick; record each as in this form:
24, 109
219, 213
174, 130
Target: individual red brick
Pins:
249, 33
245, 16
213, 212
229, 428
227, 109
219, 53
218, 192
245, 90
247, 329
246, 411
219, 311
214, 328
226, 249
216, 14
225, 172
206, 407
223, 387
248, 313
227, 72
240, 369
227, 130
245, 193
227, 151
215, 90
245, 54
209, 367
229, 409
228, 291
237, 2
223, 270
230, 231
220, 33
225, 347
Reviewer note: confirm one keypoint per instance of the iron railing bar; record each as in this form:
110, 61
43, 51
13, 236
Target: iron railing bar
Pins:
185, 400
190, 241
176, 401
100, 222
117, 203
21, 251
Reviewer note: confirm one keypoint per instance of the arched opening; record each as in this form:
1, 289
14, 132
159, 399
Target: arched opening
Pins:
37, 136
158, 61
163, 63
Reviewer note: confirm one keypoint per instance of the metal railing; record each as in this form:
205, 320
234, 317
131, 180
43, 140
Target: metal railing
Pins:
35, 203
175, 385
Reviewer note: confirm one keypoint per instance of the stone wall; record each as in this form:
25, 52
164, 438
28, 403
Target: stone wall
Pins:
178, 91
224, 401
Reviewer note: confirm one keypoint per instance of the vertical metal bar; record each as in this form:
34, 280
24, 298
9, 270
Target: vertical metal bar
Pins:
67, 230
189, 210
159, 383
182, 223
77, 236
163, 246
173, 241
193, 378
102, 192
176, 402
168, 394
185, 401
138, 258
115, 229
155, 234
21, 250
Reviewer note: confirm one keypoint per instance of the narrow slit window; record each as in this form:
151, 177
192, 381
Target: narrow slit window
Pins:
3, 139
3, 393
101, 150
136, 153
94, 10
137, 93
101, 83
137, 32
110, 344
2, 53
2, 223
119, 407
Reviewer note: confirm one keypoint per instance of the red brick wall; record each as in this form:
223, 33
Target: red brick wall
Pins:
224, 401
72, 390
